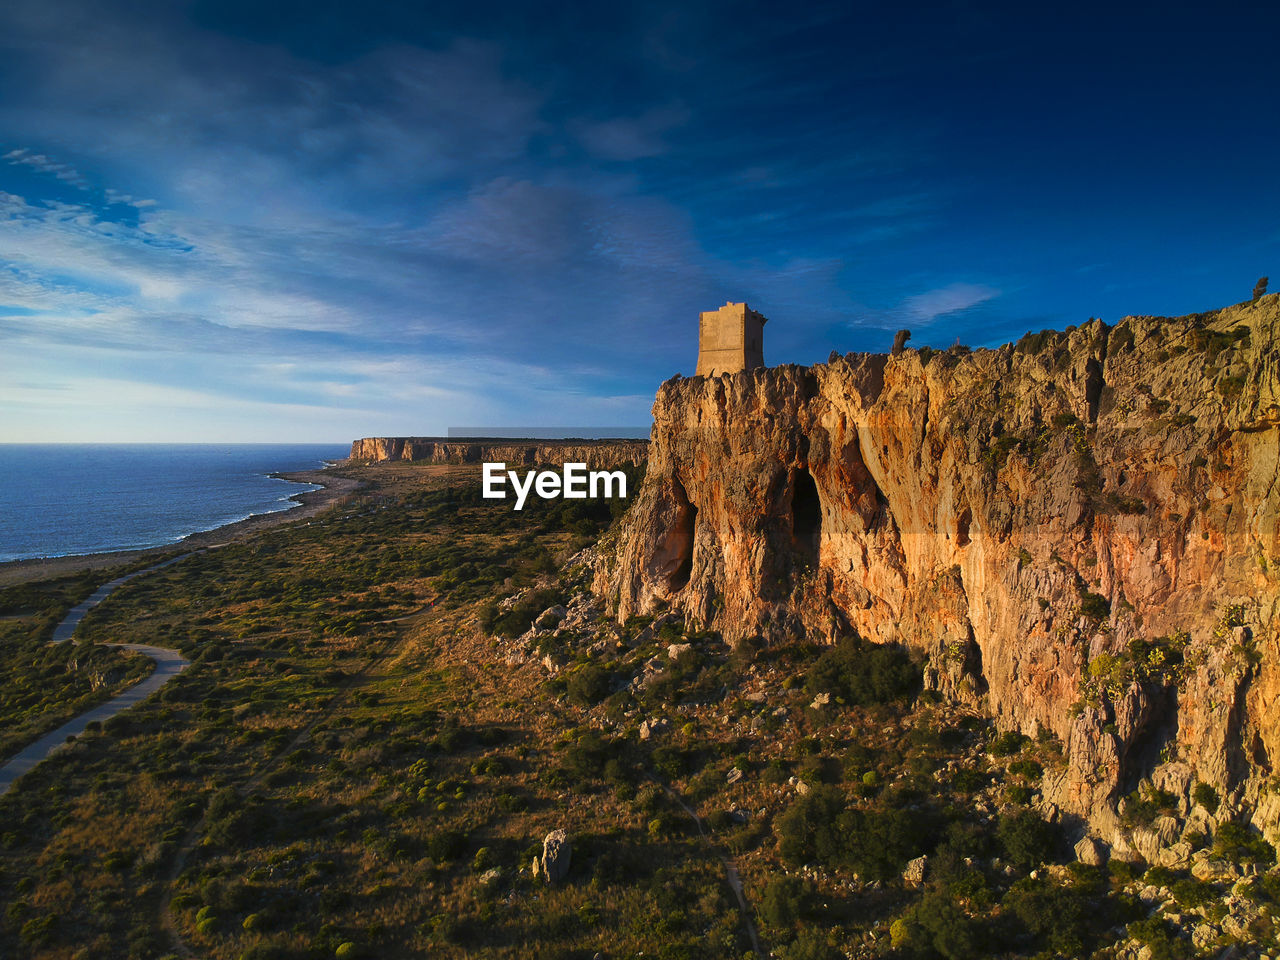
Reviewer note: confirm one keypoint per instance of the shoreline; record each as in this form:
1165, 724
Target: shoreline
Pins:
309, 503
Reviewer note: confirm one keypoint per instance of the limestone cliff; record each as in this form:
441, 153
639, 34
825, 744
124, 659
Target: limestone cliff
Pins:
596, 454
1079, 530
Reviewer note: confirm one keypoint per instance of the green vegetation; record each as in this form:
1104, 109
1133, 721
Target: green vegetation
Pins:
856, 672
1213, 342
1159, 661
44, 685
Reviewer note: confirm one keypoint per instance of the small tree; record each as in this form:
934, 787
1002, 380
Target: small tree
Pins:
1260, 288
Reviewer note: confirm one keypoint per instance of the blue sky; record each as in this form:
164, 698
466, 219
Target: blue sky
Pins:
328, 220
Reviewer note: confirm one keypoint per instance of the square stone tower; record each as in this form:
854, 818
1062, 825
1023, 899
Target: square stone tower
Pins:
730, 339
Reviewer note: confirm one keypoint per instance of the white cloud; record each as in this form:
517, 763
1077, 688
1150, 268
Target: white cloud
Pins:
926, 307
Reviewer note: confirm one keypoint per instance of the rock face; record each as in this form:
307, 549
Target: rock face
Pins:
1079, 530
557, 852
596, 454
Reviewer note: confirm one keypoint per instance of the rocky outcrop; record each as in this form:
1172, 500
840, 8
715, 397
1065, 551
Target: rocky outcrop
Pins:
1079, 530
557, 853
596, 454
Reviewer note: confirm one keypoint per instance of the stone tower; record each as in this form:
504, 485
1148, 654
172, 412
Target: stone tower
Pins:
730, 339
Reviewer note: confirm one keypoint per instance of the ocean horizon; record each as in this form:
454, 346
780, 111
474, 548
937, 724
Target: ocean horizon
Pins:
67, 499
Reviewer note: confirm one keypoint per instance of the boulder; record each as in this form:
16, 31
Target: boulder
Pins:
649, 728
550, 617
557, 852
677, 650
915, 869
1176, 856
1210, 870
1091, 851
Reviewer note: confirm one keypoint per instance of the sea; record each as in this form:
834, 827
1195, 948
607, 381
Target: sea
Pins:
59, 500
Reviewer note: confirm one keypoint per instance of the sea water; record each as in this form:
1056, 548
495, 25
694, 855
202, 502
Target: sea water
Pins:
64, 499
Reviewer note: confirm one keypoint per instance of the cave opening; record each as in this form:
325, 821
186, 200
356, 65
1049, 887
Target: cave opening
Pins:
962, 527
682, 539
806, 513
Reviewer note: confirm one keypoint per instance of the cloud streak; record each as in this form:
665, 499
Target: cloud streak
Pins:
932, 305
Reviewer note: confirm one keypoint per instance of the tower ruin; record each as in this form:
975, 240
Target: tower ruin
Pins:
730, 339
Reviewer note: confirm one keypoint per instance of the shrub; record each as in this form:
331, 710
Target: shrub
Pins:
935, 926
1027, 768
1231, 386
1239, 844
589, 685
1161, 937
1190, 892
875, 842
968, 780
1205, 796
810, 945
864, 673
782, 903
670, 761
38, 930
1027, 840
445, 845
1060, 918
1008, 743
1094, 606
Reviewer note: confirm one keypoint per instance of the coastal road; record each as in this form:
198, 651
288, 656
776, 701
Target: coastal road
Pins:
62, 633
168, 665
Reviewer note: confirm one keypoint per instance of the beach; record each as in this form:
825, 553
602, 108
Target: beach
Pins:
334, 488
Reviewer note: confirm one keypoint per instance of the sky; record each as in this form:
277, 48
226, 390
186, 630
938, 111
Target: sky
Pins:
242, 221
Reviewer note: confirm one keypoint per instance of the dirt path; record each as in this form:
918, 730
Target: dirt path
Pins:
730, 872
169, 663
62, 633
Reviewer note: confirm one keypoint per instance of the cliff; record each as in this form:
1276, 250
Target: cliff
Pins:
1078, 530
596, 454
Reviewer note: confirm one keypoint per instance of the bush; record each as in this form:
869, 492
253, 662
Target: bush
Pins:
783, 902
1239, 844
1190, 892
1060, 918
1026, 839
1162, 939
38, 930
670, 761
935, 926
589, 685
1094, 606
864, 673
446, 845
1142, 808
811, 945
875, 842
1206, 796
1027, 768
1008, 743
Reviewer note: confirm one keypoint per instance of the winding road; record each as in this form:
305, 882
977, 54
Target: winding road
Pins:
168, 665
